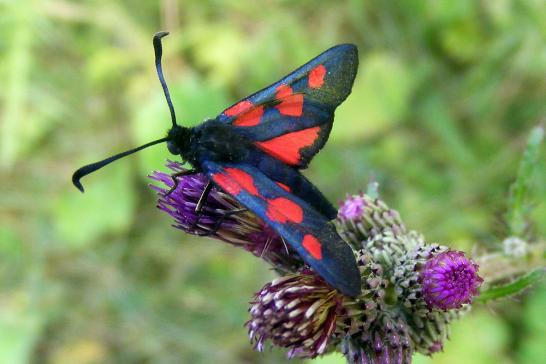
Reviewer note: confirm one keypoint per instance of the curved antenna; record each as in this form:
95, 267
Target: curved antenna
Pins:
158, 49
90, 168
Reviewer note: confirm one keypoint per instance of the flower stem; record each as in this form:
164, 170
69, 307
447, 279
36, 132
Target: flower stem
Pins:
498, 267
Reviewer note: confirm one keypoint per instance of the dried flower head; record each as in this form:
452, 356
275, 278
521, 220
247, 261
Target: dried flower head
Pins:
449, 280
297, 312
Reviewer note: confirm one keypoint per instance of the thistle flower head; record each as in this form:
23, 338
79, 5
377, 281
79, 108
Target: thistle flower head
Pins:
297, 312
221, 217
386, 342
449, 280
181, 203
352, 208
360, 312
362, 217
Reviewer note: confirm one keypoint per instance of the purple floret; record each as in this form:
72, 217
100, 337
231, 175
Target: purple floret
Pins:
450, 280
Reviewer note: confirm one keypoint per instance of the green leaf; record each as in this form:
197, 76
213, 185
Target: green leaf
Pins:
519, 199
512, 288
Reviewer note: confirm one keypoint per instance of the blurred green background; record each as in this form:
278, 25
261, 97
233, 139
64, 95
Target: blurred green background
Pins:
446, 95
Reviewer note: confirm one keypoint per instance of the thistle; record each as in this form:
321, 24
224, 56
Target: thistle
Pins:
411, 289
298, 312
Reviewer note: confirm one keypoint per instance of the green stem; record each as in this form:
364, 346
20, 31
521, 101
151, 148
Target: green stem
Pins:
506, 275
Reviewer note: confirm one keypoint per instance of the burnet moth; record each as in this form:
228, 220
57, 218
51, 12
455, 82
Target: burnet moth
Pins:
254, 151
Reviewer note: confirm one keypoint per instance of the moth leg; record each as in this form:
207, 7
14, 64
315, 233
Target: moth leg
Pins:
216, 227
203, 198
199, 212
200, 203
175, 176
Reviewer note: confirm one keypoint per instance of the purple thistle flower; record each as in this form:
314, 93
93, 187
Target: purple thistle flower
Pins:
449, 280
297, 312
181, 203
221, 217
352, 208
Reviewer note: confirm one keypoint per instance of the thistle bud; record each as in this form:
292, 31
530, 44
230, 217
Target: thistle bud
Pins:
386, 342
429, 330
360, 312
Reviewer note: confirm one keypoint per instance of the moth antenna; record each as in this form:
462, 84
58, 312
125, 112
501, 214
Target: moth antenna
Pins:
90, 168
158, 49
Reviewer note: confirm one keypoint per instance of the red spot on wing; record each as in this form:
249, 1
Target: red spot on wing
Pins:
287, 147
234, 180
316, 76
283, 91
283, 210
283, 186
238, 108
290, 104
227, 183
313, 246
243, 179
251, 117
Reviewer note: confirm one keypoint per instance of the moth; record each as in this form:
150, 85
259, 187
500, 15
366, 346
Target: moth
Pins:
254, 151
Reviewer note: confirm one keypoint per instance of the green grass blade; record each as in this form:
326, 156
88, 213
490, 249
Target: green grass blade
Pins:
512, 288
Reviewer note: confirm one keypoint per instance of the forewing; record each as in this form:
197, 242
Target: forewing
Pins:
307, 231
292, 118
